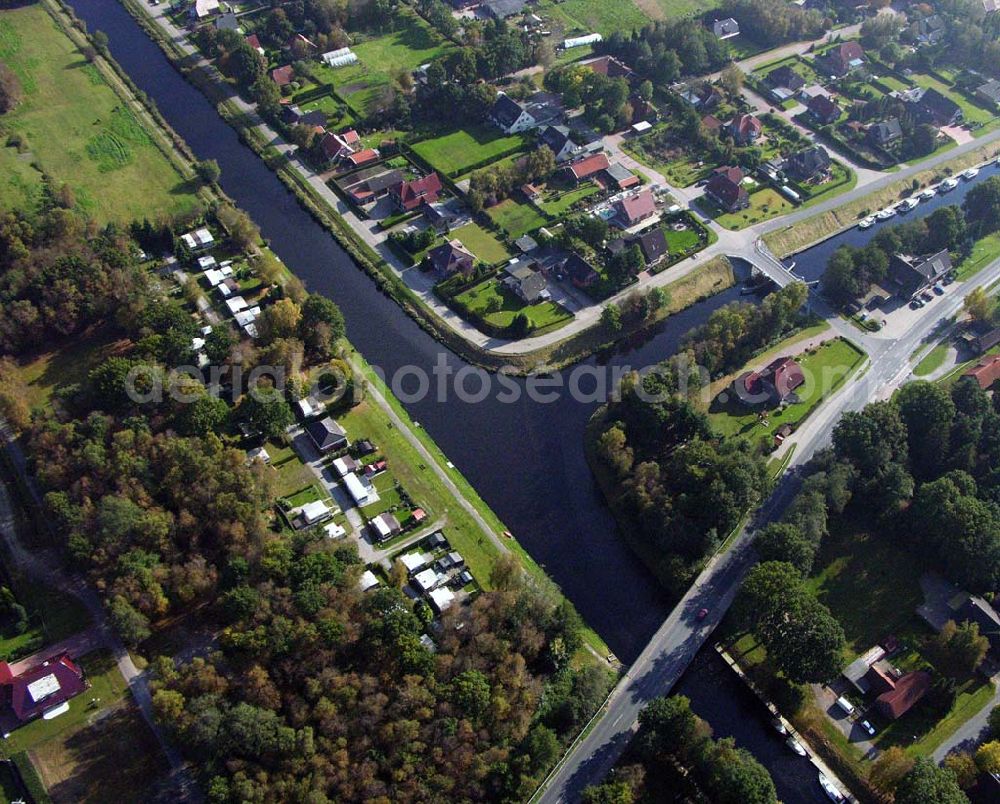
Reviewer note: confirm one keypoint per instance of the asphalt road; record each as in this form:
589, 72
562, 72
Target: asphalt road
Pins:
674, 645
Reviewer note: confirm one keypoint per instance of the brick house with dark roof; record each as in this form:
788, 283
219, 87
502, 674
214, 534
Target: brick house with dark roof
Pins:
842, 59
452, 258
786, 78
283, 76
727, 193
904, 695
910, 275
808, 164
580, 272
823, 109
744, 129
885, 132
409, 195
653, 244
934, 108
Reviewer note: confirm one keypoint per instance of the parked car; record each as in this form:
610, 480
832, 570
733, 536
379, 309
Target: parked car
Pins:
845, 705
938, 290
867, 726
926, 296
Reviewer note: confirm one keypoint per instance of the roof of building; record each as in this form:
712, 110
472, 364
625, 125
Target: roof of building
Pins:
501, 9
745, 125
419, 191
506, 110
451, 257
653, 243
783, 373
441, 598
786, 77
556, 138
886, 130
326, 432
607, 65
367, 580
711, 122
579, 269
724, 188
808, 162
619, 172
726, 27
910, 274
986, 372
254, 42
823, 106
931, 106
526, 243
908, 691
43, 687
363, 157
637, 207
283, 75
991, 90
588, 166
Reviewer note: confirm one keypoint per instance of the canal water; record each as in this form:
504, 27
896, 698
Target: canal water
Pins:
525, 457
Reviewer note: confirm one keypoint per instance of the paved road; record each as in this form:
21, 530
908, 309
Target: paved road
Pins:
680, 637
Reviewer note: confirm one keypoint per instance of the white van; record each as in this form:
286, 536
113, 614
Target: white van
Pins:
845, 705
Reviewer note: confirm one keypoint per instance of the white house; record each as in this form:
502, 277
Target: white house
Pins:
343, 466
335, 531
441, 598
413, 562
236, 304
367, 581
361, 490
206, 262
204, 8
198, 239
258, 453
428, 579
315, 511
510, 117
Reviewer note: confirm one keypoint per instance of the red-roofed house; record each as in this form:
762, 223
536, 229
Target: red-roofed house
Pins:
609, 66
408, 195
773, 384
908, 690
744, 129
336, 147
41, 691
283, 76
823, 109
711, 123
727, 191
254, 42
635, 208
363, 157
587, 167
843, 59
986, 372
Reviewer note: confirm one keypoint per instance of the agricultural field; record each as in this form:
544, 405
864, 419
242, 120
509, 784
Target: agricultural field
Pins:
460, 151
515, 218
76, 129
481, 243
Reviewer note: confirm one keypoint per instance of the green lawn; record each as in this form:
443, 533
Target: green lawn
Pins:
381, 58
765, 204
516, 218
586, 16
106, 684
984, 251
289, 470
826, 368
544, 315
842, 179
682, 240
481, 243
973, 112
558, 203
932, 361
459, 151
78, 131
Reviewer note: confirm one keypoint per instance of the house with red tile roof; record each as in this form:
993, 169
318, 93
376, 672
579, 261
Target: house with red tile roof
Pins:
363, 157
725, 188
609, 66
744, 129
254, 42
336, 147
772, 385
409, 195
40, 691
904, 694
587, 167
283, 76
634, 209
986, 372
843, 59
823, 109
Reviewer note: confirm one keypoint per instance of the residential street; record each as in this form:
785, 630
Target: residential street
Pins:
673, 646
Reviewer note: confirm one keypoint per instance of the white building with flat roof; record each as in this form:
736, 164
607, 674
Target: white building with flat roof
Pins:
360, 489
